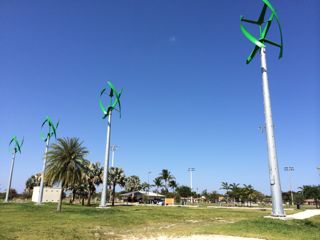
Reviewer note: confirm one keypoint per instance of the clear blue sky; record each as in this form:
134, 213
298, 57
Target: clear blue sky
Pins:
189, 99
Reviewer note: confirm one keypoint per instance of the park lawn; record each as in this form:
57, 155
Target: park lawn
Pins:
27, 221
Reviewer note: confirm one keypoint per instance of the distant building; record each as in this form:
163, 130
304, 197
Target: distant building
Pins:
142, 196
49, 194
309, 202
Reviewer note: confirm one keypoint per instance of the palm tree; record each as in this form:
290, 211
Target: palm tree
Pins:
66, 164
132, 183
235, 191
32, 182
248, 191
116, 176
158, 183
173, 184
93, 176
225, 186
166, 176
145, 186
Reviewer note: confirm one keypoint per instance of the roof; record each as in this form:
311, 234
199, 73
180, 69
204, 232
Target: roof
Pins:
149, 194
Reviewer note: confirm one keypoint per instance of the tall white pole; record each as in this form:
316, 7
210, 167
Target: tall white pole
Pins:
104, 193
40, 197
10, 177
190, 171
290, 182
112, 160
277, 208
290, 170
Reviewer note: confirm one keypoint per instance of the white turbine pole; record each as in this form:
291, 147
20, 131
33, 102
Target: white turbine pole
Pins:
40, 197
10, 177
277, 208
104, 194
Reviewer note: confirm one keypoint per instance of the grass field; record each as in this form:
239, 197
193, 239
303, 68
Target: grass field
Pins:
26, 221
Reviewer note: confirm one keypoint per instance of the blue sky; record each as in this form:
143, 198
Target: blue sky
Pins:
189, 99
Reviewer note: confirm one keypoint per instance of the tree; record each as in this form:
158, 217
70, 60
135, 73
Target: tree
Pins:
93, 176
66, 164
173, 185
298, 199
184, 191
132, 183
213, 196
116, 176
158, 183
225, 186
235, 192
166, 176
13, 193
145, 186
32, 182
247, 191
312, 192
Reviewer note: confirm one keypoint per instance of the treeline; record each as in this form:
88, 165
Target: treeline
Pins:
68, 168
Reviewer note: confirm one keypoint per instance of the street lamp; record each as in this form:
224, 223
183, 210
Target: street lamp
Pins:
190, 170
289, 170
113, 149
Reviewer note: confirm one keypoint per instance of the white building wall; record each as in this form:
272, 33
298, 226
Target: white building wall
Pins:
49, 194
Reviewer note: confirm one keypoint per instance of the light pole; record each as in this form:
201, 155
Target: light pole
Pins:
264, 26
113, 149
16, 148
51, 132
149, 172
190, 170
289, 170
149, 181
114, 101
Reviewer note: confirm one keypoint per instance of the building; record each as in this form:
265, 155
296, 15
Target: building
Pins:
142, 196
49, 194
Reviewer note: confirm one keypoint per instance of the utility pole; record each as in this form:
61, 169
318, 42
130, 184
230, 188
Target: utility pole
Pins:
289, 170
149, 185
190, 170
113, 149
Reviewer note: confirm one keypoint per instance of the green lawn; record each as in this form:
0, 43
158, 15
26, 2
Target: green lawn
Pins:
27, 221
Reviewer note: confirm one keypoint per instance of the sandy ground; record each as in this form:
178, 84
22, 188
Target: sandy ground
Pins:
198, 237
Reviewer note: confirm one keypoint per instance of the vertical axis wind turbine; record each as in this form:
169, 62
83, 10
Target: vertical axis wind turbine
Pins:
114, 101
17, 148
264, 26
52, 131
